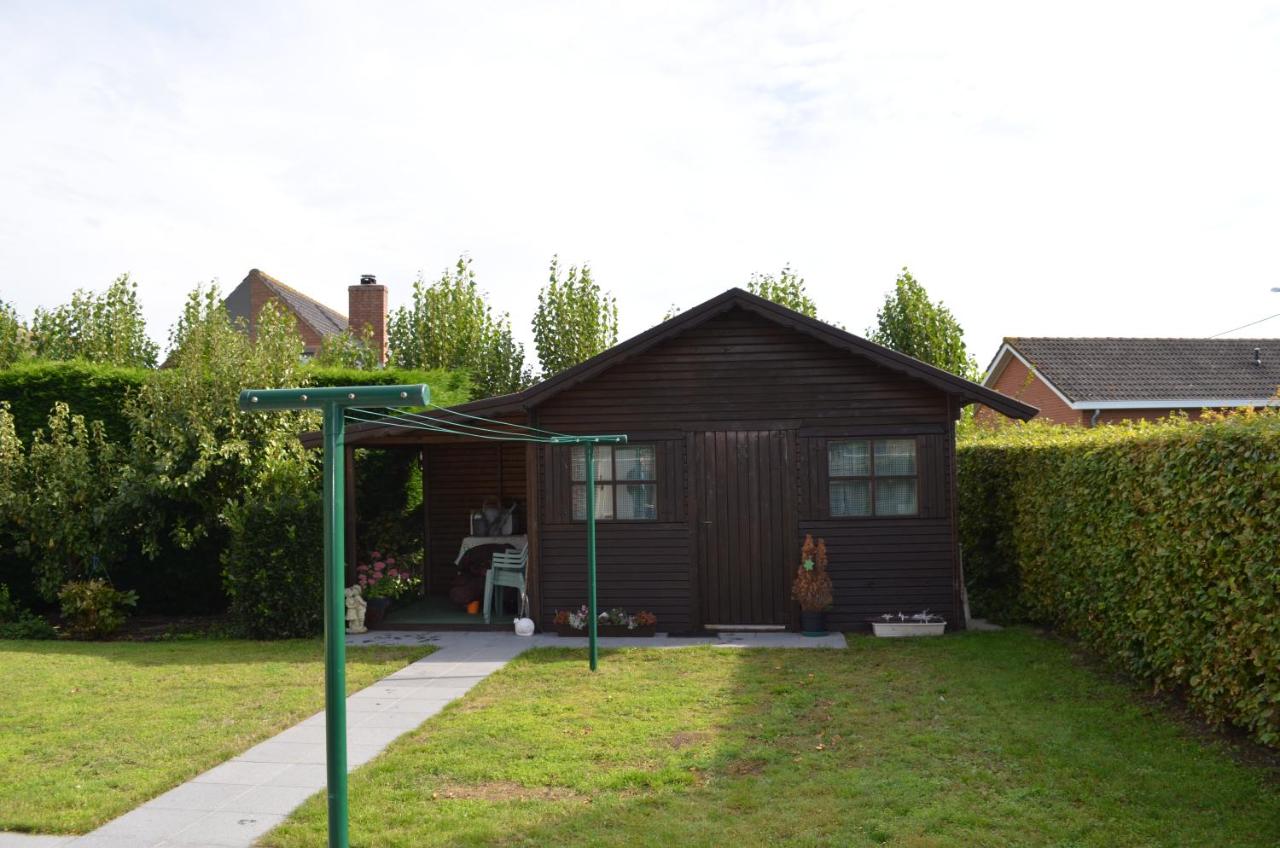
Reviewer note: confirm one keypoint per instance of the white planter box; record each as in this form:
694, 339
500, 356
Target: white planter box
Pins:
898, 629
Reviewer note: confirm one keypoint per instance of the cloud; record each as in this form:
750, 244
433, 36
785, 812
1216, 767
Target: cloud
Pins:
1097, 169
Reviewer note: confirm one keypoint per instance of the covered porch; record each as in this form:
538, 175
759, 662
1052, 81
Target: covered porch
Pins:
445, 479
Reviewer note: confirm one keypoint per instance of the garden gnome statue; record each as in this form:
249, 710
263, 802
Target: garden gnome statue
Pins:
355, 610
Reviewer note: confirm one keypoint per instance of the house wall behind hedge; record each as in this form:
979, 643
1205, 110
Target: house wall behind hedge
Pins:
1157, 545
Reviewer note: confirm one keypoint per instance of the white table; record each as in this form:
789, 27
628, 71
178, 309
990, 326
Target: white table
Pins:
470, 542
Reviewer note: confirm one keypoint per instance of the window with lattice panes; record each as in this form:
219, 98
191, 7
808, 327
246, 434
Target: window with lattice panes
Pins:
872, 477
626, 482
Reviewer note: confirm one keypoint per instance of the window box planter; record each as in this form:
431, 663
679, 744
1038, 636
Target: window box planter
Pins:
899, 626
614, 622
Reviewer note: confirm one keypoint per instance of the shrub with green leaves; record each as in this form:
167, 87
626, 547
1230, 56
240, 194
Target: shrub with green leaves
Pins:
94, 609
273, 567
59, 506
1156, 544
17, 622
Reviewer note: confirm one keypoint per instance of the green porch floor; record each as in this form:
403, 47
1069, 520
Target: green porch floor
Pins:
435, 609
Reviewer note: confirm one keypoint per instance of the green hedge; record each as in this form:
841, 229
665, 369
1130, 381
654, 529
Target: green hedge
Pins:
1157, 545
447, 387
95, 391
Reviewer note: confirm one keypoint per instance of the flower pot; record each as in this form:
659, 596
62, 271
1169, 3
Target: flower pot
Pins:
812, 624
899, 629
376, 612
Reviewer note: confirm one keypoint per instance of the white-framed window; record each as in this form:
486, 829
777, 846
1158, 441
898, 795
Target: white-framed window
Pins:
626, 487
867, 477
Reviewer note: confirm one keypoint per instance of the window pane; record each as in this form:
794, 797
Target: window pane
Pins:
849, 459
851, 497
604, 502
578, 463
634, 462
637, 502
895, 457
895, 497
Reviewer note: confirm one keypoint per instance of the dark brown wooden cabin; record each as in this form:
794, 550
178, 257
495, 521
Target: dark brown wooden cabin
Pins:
750, 425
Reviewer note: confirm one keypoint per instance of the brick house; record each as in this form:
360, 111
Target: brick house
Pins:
367, 306
1089, 381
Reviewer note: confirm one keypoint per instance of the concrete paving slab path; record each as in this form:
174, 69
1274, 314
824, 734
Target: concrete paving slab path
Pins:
232, 804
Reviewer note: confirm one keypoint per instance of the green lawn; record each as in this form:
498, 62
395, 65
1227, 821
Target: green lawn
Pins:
984, 739
91, 730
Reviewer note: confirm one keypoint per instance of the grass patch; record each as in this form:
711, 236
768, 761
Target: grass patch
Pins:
991, 739
90, 730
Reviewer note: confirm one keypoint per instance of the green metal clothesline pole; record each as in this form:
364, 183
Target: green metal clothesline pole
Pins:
593, 623
333, 403
589, 454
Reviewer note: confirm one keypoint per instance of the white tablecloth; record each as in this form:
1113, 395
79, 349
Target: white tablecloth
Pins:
472, 541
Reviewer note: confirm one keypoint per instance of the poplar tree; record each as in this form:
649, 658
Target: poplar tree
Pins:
449, 324
909, 322
786, 289
106, 327
575, 319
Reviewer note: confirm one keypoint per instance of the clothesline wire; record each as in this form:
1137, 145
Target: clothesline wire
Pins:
492, 421
427, 419
413, 425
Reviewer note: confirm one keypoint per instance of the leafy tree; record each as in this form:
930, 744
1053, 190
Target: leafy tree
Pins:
106, 327
348, 350
15, 337
451, 325
786, 289
192, 451
62, 509
911, 323
575, 320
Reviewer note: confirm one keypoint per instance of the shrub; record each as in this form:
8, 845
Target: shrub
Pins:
1155, 544
62, 510
94, 609
19, 623
273, 568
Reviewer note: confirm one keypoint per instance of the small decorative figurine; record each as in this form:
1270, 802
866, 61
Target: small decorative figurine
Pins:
356, 605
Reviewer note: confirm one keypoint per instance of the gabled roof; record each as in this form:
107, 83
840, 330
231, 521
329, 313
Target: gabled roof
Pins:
322, 319
965, 390
1093, 373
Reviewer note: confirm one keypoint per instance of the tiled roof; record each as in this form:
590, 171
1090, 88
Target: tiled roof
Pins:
322, 319
1111, 369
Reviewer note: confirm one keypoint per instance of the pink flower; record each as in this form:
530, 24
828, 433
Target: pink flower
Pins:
376, 555
362, 581
391, 561
392, 573
378, 566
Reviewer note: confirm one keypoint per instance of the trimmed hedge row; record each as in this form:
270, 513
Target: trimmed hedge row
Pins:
95, 391
1158, 545
98, 391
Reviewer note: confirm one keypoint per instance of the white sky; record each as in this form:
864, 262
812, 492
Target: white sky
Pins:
1046, 169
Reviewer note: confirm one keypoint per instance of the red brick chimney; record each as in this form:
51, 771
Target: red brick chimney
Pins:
367, 306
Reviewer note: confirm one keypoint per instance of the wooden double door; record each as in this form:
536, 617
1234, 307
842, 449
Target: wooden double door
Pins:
742, 485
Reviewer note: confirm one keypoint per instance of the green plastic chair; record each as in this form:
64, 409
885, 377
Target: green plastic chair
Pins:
506, 569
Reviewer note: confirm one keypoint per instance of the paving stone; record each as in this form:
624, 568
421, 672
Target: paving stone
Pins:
32, 840
226, 829
273, 751
148, 822
276, 800
241, 772
197, 796
311, 775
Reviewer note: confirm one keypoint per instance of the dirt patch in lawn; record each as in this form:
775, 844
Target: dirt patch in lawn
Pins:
685, 738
